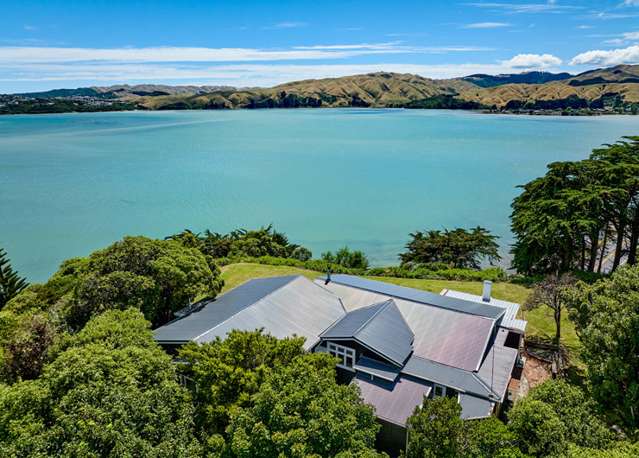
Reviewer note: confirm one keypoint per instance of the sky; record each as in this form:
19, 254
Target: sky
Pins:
53, 43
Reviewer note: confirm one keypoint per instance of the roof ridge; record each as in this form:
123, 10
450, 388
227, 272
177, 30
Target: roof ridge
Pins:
292, 278
335, 279
383, 306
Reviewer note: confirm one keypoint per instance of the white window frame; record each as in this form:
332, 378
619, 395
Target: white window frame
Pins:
443, 389
341, 352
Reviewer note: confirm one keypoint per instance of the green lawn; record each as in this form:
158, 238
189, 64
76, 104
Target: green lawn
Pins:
540, 321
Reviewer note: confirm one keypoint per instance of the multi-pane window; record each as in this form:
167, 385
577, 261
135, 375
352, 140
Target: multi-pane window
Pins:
439, 390
344, 354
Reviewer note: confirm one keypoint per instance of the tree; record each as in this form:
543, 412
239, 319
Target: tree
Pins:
26, 352
552, 292
158, 277
459, 248
435, 430
606, 316
264, 241
567, 219
346, 258
10, 282
300, 411
108, 393
488, 438
224, 374
576, 411
539, 430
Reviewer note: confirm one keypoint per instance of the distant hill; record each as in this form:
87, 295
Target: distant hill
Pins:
125, 90
483, 80
614, 89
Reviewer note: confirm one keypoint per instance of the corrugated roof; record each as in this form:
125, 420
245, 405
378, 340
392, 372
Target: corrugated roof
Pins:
415, 295
219, 309
509, 320
442, 335
376, 368
459, 379
497, 367
379, 327
282, 306
393, 402
474, 407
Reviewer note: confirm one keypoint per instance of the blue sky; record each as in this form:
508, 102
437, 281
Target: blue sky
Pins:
53, 43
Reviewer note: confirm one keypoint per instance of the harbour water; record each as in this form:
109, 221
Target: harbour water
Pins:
72, 183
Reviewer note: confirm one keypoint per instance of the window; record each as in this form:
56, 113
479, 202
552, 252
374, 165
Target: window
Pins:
346, 355
439, 391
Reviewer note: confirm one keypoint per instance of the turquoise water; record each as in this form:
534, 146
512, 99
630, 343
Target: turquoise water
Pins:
72, 183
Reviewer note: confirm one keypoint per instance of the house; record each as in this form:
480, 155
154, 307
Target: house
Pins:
397, 344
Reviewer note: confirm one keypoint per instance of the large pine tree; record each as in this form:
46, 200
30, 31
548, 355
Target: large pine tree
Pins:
10, 282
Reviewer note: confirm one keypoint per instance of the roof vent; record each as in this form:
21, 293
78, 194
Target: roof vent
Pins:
488, 286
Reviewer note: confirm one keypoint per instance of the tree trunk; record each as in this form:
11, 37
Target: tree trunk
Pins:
634, 236
583, 253
558, 326
621, 235
603, 248
594, 246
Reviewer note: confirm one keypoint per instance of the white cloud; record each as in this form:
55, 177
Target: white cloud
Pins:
10, 55
533, 61
288, 25
239, 75
631, 2
629, 55
584, 27
548, 7
486, 25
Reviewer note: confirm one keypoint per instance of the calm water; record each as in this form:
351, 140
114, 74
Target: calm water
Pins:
365, 178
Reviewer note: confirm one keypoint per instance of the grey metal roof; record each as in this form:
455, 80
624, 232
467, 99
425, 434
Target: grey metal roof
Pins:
415, 295
219, 310
442, 335
282, 306
393, 402
377, 369
497, 368
509, 320
459, 379
474, 407
379, 327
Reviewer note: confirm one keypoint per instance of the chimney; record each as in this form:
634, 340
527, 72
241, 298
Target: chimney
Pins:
488, 286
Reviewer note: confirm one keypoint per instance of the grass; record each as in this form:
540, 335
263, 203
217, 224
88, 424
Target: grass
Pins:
540, 320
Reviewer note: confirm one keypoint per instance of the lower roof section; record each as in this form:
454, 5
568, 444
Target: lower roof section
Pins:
393, 402
474, 408
377, 369
452, 377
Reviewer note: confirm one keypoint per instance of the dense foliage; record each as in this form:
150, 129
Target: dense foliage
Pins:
110, 392
10, 282
265, 241
344, 257
579, 213
458, 248
606, 315
158, 277
435, 430
301, 411
224, 374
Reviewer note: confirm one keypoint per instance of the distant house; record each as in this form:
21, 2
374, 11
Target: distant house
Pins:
397, 344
